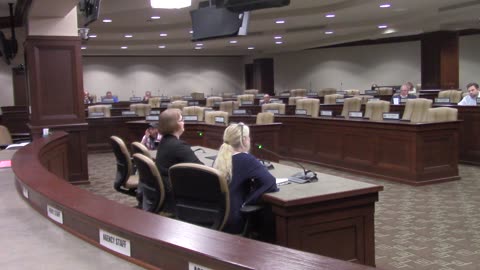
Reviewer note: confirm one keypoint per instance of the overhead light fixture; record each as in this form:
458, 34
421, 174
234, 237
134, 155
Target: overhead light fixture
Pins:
155, 17
198, 48
124, 47
389, 31
278, 42
385, 6
170, 4
382, 26
107, 20
251, 48
162, 47
280, 21
191, 31
92, 36
277, 37
163, 34
328, 32
330, 16
128, 35
84, 47
199, 44
233, 41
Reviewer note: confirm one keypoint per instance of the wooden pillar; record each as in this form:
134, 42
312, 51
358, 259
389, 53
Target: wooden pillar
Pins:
440, 60
55, 80
249, 76
263, 75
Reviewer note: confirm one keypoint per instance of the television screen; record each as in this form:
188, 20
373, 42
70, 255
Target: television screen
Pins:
213, 22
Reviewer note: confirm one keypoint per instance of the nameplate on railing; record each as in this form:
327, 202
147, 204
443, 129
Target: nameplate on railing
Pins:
300, 112
391, 116
107, 100
219, 119
285, 94
54, 214
442, 100
339, 100
259, 96
128, 113
97, 114
187, 97
373, 99
216, 103
152, 117
239, 112
154, 112
190, 118
312, 94
326, 113
371, 92
274, 111
355, 114
114, 242
246, 102
135, 99
164, 104
193, 103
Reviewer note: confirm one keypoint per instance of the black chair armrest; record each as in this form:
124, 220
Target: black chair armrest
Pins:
3, 146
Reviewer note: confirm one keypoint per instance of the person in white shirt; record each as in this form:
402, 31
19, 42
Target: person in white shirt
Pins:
471, 98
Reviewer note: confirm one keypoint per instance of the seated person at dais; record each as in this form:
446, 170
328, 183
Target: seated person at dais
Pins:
171, 150
404, 89
151, 138
247, 178
109, 95
471, 98
147, 96
87, 99
265, 100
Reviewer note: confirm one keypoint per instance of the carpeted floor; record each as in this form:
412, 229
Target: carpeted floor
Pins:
433, 227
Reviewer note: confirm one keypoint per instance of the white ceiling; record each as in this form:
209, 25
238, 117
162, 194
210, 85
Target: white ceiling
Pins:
305, 26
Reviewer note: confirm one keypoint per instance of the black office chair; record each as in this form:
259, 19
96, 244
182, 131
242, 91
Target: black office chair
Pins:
126, 181
150, 183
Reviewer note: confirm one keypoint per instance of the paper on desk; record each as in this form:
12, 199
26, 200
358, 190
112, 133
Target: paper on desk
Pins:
281, 181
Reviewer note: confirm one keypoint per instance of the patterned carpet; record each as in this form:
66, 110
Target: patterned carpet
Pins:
433, 227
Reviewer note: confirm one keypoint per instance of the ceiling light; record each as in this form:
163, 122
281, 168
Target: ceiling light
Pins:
278, 42
163, 34
191, 31
92, 36
382, 26
385, 5
328, 32
83, 47
277, 37
155, 17
233, 42
279, 21
251, 48
199, 44
162, 47
389, 31
330, 15
107, 20
128, 35
170, 4
124, 47
198, 48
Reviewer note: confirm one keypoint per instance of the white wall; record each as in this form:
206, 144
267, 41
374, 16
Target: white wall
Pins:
349, 67
162, 75
469, 65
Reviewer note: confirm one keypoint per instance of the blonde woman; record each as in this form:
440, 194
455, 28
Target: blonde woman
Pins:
248, 179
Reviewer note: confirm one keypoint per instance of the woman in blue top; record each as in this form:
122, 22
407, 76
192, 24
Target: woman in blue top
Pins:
247, 178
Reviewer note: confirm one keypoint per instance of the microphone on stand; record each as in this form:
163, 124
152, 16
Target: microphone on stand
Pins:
302, 177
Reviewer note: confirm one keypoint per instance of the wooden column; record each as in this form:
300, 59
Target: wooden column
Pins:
249, 76
263, 75
440, 60
55, 80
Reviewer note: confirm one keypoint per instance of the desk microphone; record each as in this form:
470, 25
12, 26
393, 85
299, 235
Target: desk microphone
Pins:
300, 178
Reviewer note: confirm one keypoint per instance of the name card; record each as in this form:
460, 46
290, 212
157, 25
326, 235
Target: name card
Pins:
193, 103
371, 92
391, 116
355, 114
277, 101
339, 100
300, 112
114, 242
246, 102
135, 99
128, 113
152, 117
54, 214
312, 94
240, 112
259, 95
396, 101
373, 99
187, 97
107, 100
193, 266
274, 111
442, 100
216, 103
190, 118
25, 192
164, 104
326, 113
97, 114
219, 119
285, 94
403, 100
154, 112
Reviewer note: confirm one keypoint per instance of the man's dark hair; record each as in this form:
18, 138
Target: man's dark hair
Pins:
472, 84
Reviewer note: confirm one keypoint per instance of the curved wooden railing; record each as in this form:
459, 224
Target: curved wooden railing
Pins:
156, 242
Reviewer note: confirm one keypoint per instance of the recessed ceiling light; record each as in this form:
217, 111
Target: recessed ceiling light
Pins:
385, 5
233, 42
328, 32
330, 15
277, 37
389, 31
124, 47
199, 44
198, 48
92, 36
172, 4
280, 21
163, 34
128, 35
162, 47
278, 42
155, 17
251, 48
107, 20
382, 26
84, 47
191, 31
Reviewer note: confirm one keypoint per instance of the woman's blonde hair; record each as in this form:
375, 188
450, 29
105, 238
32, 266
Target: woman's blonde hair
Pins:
168, 121
232, 140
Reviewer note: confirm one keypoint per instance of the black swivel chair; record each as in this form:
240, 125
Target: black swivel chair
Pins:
151, 185
126, 181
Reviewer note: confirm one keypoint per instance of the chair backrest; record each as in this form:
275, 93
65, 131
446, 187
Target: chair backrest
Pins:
211, 101
195, 110
274, 106
210, 117
364, 98
442, 114
251, 91
311, 105
201, 195
154, 102
227, 94
5, 136
416, 109
374, 109
245, 97
298, 92
105, 109
265, 118
293, 100
178, 104
385, 91
153, 191
197, 95
331, 99
454, 95
124, 162
140, 109
352, 104
351, 92
138, 147
326, 91
228, 106
175, 98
